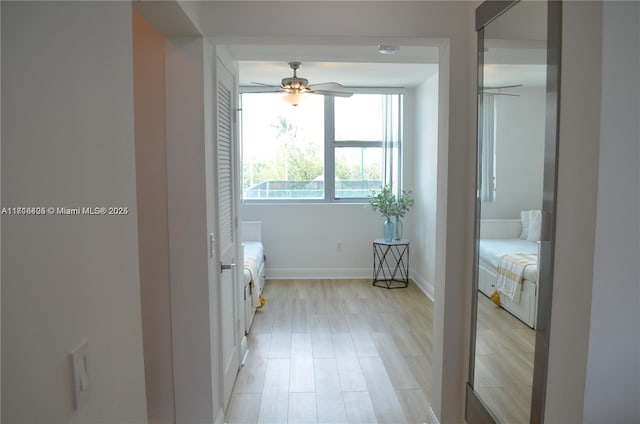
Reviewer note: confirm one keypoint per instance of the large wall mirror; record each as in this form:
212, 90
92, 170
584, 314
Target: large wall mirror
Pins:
518, 71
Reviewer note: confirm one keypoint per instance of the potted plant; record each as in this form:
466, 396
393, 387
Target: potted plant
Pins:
390, 206
384, 202
403, 204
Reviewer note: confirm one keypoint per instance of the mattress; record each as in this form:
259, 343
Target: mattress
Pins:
491, 250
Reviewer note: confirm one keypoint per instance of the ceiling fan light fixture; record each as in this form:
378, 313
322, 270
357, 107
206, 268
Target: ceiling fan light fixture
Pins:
295, 89
294, 97
387, 49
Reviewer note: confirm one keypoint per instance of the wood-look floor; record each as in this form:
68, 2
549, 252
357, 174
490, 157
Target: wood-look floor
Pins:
336, 351
343, 351
505, 350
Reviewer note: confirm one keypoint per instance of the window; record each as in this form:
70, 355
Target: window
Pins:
488, 149
282, 148
325, 149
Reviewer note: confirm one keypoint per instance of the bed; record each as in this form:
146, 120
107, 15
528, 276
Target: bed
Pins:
501, 242
254, 268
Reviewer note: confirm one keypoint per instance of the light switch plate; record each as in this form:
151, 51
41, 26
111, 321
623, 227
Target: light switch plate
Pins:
81, 380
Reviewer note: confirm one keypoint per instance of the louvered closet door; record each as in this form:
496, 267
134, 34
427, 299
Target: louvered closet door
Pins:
226, 227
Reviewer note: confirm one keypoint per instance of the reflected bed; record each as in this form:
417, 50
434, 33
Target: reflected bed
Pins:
501, 238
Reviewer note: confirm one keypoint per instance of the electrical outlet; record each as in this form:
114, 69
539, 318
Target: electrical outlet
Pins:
80, 367
339, 246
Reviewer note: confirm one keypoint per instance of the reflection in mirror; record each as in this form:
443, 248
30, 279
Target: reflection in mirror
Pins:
510, 191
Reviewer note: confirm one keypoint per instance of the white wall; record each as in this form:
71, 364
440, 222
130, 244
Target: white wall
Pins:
194, 284
68, 140
0, 234
153, 233
519, 153
175, 98
301, 241
426, 166
612, 388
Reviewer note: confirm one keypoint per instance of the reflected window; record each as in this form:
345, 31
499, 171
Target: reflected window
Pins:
488, 149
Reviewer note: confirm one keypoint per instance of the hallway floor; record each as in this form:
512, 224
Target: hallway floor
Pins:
336, 351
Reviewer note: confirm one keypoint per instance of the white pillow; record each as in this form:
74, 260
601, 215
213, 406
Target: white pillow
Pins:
535, 225
524, 220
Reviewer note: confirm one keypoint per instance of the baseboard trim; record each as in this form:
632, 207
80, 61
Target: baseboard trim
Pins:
423, 284
341, 274
244, 350
431, 416
317, 273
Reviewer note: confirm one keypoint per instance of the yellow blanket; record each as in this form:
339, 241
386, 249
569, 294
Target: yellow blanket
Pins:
510, 271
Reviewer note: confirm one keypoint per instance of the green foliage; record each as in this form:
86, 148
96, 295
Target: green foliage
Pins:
404, 203
304, 164
385, 202
284, 128
296, 160
354, 172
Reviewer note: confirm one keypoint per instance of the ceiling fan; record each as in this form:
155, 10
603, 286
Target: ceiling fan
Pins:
295, 88
498, 90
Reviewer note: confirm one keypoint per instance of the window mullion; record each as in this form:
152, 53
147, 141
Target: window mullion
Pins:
387, 176
357, 143
329, 149
392, 115
398, 101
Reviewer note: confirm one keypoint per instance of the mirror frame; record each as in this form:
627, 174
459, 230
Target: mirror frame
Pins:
475, 409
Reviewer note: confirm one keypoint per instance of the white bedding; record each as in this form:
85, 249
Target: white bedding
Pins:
253, 261
492, 250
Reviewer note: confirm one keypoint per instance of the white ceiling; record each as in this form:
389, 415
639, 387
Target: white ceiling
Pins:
348, 74
364, 66
496, 75
264, 36
350, 65
509, 62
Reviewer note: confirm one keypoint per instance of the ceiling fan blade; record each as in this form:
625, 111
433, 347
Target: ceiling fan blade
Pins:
332, 93
265, 89
503, 86
297, 84
263, 84
328, 86
500, 94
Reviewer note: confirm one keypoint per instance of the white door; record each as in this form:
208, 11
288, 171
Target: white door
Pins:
227, 230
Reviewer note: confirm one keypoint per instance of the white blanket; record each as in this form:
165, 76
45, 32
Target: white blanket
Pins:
253, 257
510, 272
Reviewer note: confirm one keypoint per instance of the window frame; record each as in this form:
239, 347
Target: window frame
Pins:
330, 144
488, 149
